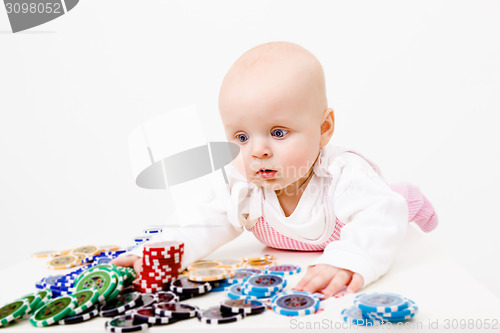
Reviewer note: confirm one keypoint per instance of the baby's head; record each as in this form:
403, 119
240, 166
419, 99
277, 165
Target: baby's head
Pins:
273, 105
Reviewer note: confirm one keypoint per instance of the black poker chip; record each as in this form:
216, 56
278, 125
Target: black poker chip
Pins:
90, 313
120, 304
214, 315
248, 307
183, 286
166, 297
176, 310
147, 315
125, 323
148, 299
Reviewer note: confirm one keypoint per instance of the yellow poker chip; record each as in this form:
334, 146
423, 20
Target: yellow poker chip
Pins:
90, 250
209, 274
109, 248
260, 264
81, 257
42, 254
263, 257
231, 263
61, 253
203, 264
63, 262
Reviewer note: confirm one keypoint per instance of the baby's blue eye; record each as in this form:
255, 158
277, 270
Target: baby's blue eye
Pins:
279, 133
242, 137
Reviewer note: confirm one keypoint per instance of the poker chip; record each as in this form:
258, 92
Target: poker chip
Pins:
234, 292
80, 318
116, 275
109, 248
264, 283
141, 239
86, 299
102, 280
209, 274
166, 297
63, 262
255, 270
154, 230
248, 307
259, 258
120, 304
34, 302
410, 310
89, 250
161, 263
375, 316
204, 264
183, 286
45, 295
380, 308
355, 316
213, 315
283, 269
148, 299
240, 275
296, 303
381, 302
175, 310
230, 263
42, 254
147, 315
125, 323
12, 311
55, 310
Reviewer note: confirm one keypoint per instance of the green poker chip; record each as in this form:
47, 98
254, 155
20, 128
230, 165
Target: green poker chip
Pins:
13, 311
103, 281
45, 295
117, 275
53, 311
35, 302
86, 299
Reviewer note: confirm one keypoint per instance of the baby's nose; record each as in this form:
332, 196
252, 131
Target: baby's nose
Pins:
260, 149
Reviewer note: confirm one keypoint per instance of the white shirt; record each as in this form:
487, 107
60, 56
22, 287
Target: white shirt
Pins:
344, 185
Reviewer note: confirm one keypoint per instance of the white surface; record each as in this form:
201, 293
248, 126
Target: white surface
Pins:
441, 289
415, 87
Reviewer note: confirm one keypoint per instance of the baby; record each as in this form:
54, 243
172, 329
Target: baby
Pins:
293, 189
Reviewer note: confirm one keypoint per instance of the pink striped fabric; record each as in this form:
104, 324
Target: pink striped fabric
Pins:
419, 208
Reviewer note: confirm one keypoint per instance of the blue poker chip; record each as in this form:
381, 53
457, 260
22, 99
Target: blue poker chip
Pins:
283, 269
355, 315
141, 239
296, 303
381, 302
376, 316
240, 275
234, 292
409, 311
51, 280
264, 283
258, 294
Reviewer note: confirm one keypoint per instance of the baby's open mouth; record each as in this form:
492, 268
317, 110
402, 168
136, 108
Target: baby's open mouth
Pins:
267, 173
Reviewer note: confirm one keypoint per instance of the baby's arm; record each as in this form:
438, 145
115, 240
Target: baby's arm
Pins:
376, 219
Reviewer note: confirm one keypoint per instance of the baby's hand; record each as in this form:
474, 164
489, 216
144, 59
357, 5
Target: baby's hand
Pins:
129, 261
330, 280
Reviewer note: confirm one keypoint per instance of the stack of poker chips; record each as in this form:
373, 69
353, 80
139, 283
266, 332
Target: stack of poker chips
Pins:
379, 308
161, 263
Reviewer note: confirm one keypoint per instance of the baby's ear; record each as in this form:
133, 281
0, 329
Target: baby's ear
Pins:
327, 126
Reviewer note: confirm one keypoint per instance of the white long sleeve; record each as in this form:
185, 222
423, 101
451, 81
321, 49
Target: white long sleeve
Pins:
375, 218
203, 236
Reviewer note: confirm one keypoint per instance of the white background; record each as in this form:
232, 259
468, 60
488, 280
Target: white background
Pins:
415, 87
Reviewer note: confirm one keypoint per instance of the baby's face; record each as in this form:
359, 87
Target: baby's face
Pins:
277, 125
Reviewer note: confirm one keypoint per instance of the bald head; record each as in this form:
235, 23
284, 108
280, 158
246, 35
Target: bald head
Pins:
275, 72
